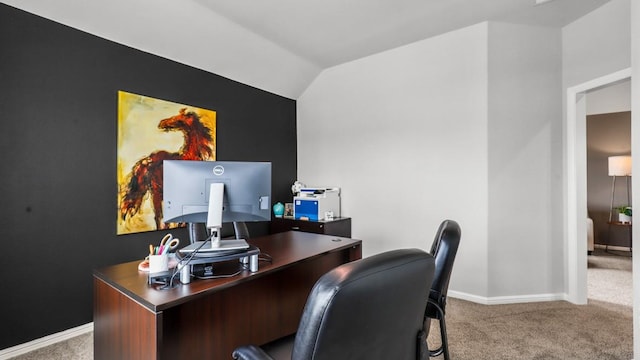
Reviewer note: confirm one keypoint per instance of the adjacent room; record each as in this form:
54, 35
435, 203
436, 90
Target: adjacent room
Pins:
414, 112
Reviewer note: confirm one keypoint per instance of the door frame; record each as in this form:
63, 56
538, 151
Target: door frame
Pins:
575, 213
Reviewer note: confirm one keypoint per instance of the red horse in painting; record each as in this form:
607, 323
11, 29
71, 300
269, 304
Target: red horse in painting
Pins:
146, 175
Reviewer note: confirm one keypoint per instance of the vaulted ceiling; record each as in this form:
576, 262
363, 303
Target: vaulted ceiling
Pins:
331, 32
282, 45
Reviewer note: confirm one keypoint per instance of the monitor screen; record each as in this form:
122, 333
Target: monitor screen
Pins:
186, 185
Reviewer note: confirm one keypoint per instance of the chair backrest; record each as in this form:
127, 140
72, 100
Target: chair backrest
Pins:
444, 249
367, 309
198, 231
240, 230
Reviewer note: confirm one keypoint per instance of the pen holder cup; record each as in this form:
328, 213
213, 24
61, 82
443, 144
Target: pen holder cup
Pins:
158, 263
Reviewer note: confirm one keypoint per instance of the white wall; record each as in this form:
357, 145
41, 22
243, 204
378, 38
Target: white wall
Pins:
525, 123
593, 47
404, 134
597, 44
472, 122
467, 126
610, 99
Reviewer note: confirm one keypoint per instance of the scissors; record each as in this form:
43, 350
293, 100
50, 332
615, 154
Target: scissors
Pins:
168, 244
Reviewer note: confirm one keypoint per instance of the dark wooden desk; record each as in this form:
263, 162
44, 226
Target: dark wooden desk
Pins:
207, 319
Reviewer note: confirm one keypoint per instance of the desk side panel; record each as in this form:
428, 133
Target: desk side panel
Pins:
123, 329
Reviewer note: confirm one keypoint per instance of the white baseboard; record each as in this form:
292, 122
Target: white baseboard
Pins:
45, 341
500, 300
613, 247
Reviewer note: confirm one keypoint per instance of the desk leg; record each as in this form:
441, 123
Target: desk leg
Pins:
123, 329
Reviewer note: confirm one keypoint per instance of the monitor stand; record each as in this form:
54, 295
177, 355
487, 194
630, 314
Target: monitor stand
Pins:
225, 246
198, 232
218, 244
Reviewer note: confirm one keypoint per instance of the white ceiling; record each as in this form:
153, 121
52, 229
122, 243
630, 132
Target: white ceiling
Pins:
330, 32
282, 45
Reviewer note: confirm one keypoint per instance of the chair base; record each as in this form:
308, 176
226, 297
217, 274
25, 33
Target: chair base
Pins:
444, 348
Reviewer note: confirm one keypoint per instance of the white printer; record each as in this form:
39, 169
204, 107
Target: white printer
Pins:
315, 204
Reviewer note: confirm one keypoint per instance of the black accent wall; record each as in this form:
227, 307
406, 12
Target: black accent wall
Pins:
58, 113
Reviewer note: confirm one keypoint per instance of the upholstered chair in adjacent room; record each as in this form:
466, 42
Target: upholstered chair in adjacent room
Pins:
443, 249
369, 309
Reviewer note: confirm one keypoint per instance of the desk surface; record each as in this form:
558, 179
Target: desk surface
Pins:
286, 249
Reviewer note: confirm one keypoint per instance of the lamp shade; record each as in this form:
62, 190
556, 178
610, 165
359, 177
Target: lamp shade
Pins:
619, 165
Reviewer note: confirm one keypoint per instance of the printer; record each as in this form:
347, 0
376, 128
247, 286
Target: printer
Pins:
317, 204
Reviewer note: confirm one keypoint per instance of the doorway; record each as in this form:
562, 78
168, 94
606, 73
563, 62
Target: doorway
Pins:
575, 186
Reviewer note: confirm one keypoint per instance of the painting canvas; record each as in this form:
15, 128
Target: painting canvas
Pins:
150, 131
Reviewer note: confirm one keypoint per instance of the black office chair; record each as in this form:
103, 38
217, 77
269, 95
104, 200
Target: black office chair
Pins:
368, 309
444, 249
198, 231
240, 230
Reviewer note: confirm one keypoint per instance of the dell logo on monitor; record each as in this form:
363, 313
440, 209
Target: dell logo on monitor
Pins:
218, 170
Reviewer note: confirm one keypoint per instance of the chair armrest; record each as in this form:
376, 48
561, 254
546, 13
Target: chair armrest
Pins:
250, 352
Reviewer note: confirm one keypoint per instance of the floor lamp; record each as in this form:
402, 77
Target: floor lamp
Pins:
619, 166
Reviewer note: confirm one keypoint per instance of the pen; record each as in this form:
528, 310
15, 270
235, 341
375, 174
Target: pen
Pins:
150, 249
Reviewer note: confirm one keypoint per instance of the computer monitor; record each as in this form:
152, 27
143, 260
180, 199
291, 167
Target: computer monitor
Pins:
187, 185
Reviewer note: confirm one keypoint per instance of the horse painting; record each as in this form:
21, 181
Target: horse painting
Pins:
144, 180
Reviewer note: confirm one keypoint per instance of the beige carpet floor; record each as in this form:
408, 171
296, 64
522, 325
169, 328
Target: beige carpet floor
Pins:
535, 331
77, 348
602, 329
548, 330
609, 277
